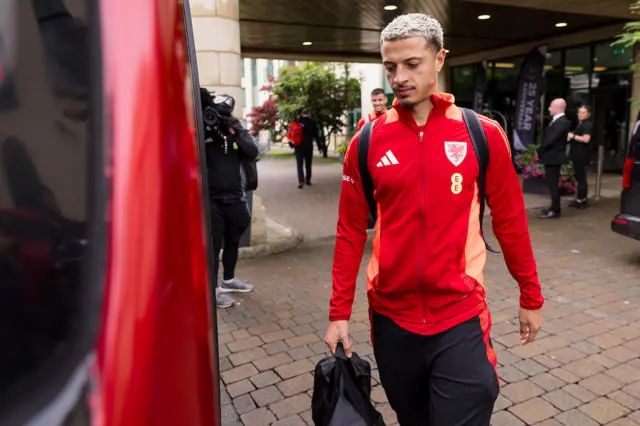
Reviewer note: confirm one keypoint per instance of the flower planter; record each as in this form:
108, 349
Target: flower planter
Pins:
538, 185
535, 185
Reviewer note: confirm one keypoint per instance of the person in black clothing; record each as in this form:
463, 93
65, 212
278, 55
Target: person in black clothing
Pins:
580, 154
552, 153
304, 152
230, 215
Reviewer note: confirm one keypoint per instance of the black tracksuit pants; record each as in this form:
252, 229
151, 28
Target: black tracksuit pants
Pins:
448, 379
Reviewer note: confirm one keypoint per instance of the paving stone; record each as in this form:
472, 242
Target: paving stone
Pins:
249, 355
534, 410
530, 367
244, 344
244, 404
296, 385
272, 361
290, 406
240, 388
238, 373
547, 381
501, 403
521, 391
575, 418
267, 395
563, 400
620, 354
295, 368
511, 374
265, 379
505, 418
258, 417
625, 373
625, 399
579, 392
604, 410
601, 384
291, 421
584, 368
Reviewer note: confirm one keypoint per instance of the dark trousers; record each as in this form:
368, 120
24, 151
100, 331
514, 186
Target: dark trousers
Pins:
304, 154
553, 179
228, 223
580, 158
444, 379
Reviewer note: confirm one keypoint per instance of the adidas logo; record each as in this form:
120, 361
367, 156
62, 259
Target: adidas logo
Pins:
387, 160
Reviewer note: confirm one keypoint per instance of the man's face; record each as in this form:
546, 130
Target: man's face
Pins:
412, 67
379, 102
554, 108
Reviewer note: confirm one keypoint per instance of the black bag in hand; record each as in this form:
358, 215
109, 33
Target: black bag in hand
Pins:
342, 392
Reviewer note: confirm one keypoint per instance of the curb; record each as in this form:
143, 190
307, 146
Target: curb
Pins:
265, 249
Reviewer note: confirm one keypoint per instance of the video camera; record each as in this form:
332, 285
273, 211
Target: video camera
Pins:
216, 114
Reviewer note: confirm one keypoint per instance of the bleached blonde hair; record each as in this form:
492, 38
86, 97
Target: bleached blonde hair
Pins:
414, 25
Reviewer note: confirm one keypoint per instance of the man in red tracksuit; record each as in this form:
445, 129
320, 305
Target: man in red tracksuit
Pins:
379, 102
429, 315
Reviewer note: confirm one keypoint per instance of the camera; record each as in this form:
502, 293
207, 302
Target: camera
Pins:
216, 114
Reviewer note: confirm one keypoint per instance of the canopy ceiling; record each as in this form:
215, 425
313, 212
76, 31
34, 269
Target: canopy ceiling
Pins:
350, 29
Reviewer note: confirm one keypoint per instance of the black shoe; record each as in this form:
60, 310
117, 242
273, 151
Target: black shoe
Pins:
578, 204
308, 183
550, 215
300, 185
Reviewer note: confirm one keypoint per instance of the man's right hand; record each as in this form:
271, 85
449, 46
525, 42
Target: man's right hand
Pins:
338, 331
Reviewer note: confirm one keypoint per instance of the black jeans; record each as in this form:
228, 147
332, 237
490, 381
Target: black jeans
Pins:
304, 154
228, 223
440, 380
553, 179
580, 157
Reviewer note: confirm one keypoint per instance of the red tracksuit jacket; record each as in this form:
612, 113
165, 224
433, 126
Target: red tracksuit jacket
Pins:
426, 272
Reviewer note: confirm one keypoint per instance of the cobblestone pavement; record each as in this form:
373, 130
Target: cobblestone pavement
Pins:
583, 370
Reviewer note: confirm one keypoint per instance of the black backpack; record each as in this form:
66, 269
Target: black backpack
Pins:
480, 146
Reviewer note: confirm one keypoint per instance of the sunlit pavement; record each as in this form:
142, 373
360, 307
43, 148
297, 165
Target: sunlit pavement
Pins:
583, 370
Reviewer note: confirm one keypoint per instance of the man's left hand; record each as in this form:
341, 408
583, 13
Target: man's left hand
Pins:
530, 324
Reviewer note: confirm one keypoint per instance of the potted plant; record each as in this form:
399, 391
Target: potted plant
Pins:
533, 174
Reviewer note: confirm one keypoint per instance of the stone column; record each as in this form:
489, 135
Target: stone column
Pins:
216, 29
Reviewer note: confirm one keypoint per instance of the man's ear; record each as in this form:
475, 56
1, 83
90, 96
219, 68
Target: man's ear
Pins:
440, 56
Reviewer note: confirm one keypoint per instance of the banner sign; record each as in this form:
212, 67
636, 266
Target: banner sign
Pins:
528, 99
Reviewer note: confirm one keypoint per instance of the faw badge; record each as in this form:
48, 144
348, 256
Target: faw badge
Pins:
456, 152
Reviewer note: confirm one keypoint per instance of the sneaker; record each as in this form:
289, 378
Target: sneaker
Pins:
235, 285
223, 300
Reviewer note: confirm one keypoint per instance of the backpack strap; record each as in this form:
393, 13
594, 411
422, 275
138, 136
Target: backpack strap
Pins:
364, 140
481, 148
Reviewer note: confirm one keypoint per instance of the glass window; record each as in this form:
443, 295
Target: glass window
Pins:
555, 83
270, 68
45, 79
462, 85
502, 88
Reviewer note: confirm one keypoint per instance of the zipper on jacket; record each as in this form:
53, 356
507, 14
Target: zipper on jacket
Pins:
420, 260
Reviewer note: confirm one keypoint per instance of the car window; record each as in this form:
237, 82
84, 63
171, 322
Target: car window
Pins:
45, 122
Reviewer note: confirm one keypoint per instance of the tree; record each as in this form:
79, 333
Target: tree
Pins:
325, 93
265, 116
631, 32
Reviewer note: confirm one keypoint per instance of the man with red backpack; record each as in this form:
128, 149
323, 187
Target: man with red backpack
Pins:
301, 134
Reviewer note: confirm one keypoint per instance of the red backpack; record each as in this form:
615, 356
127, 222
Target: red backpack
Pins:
294, 133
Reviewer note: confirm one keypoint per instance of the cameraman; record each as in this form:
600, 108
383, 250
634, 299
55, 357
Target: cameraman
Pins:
227, 142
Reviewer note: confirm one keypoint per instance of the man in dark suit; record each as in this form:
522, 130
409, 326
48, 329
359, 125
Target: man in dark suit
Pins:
552, 153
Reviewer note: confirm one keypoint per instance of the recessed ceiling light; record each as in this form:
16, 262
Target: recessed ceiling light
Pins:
561, 24
307, 43
390, 7
484, 17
